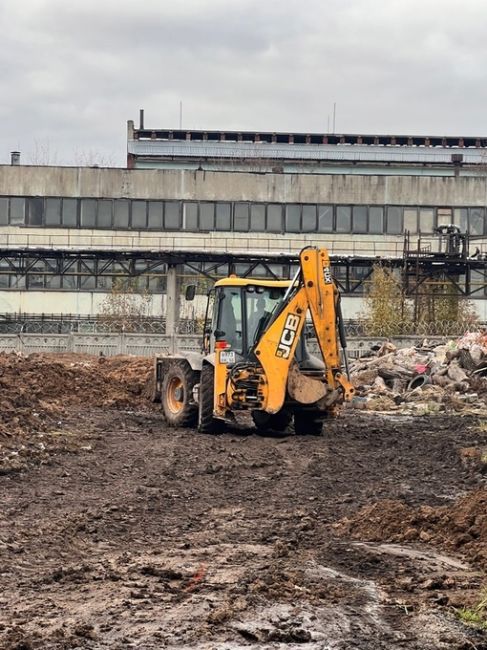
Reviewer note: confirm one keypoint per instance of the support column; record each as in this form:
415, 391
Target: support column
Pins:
173, 304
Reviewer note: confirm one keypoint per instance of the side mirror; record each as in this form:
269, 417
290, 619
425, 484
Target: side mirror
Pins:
190, 292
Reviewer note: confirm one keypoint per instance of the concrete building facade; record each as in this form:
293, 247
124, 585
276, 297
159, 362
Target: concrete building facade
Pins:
239, 197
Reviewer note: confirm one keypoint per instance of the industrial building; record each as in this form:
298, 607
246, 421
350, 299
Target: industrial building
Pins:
195, 202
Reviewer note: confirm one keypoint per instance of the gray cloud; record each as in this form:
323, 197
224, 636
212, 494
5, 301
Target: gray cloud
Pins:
73, 72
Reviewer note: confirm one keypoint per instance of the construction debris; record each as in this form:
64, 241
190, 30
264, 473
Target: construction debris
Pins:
425, 379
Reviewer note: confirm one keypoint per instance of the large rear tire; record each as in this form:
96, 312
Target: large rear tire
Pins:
177, 401
206, 422
307, 423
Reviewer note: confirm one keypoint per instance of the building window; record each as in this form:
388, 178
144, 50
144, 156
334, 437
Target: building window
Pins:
308, 218
4, 273
155, 212
394, 221
223, 216
444, 216
257, 217
476, 221
121, 213
460, 219
293, 218
358, 278
70, 282
172, 216
104, 219
376, 220
325, 218
35, 281
17, 211
17, 281
359, 219
88, 213
344, 218
274, 217
52, 280
87, 271
3, 211
53, 212
139, 215
70, 213
410, 220
241, 217
426, 220
207, 216
190, 216
35, 211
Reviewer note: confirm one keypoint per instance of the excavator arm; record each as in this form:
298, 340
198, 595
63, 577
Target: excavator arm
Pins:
312, 290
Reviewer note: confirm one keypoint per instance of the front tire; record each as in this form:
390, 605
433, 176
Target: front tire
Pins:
177, 395
307, 423
275, 422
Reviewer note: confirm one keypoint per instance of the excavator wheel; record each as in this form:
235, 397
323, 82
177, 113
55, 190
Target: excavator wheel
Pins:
206, 422
267, 422
177, 394
308, 423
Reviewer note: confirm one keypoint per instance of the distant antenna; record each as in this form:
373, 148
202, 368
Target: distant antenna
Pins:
328, 124
180, 115
334, 116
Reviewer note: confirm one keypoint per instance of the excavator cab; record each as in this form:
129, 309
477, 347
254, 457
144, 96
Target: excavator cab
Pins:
237, 311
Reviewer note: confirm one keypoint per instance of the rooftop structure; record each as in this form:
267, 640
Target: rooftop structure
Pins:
304, 152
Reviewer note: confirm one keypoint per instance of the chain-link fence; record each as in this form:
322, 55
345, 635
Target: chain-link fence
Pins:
46, 324
436, 328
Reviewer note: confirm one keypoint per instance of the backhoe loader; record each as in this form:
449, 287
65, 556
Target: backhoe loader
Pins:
254, 355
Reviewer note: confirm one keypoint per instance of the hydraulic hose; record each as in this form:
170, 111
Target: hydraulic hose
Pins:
342, 335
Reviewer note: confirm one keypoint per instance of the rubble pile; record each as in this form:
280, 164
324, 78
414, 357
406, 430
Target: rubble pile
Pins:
35, 390
460, 527
424, 379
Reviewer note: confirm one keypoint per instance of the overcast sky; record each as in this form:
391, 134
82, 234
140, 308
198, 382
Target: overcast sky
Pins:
74, 71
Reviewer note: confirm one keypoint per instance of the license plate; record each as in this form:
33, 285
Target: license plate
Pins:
227, 356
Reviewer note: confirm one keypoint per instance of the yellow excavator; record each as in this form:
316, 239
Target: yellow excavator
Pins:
254, 355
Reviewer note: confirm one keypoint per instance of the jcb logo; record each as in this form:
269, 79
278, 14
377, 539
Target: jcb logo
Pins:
327, 275
287, 337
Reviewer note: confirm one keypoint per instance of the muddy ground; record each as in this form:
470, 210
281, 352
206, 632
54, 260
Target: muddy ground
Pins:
117, 532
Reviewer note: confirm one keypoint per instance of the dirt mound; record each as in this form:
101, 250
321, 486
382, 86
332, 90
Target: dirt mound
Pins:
35, 390
461, 526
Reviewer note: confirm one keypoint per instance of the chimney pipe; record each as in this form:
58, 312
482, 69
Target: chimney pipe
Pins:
15, 157
141, 119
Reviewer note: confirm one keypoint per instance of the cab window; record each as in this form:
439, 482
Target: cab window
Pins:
229, 326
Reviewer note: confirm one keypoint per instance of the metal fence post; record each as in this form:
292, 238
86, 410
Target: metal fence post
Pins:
173, 305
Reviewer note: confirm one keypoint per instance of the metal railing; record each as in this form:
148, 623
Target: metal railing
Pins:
112, 344
147, 345
239, 243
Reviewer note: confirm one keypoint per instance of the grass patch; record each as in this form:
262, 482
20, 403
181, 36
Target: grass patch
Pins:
475, 616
